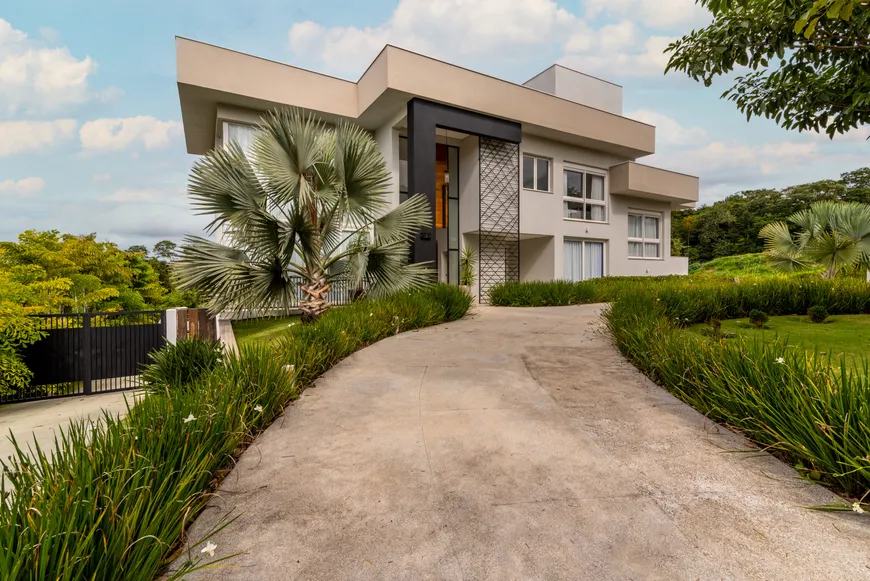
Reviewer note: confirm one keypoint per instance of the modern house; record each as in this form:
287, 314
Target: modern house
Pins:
541, 179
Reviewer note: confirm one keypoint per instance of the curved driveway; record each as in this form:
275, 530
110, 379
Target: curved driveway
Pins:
517, 444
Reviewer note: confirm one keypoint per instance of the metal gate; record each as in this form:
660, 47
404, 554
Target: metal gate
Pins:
90, 353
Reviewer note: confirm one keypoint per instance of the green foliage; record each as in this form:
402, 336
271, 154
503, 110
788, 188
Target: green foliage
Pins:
112, 501
180, 365
808, 59
17, 330
787, 400
314, 348
263, 330
286, 207
758, 318
541, 294
467, 264
731, 226
818, 313
832, 235
740, 265
48, 272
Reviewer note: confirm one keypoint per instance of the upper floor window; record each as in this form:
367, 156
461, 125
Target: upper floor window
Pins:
644, 235
584, 196
403, 168
242, 134
536, 173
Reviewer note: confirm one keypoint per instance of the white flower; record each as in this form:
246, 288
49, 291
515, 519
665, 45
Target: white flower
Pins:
856, 506
370, 314
289, 368
258, 408
780, 360
209, 549
291, 324
189, 418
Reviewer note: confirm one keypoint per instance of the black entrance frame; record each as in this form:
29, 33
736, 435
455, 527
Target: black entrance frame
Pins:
424, 117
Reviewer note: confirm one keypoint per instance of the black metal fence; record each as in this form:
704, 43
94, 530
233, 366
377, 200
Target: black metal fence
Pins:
90, 353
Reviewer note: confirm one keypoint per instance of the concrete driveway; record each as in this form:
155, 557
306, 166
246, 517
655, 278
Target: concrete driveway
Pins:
517, 444
41, 421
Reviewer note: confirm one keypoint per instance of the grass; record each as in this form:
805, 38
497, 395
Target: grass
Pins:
841, 336
741, 265
113, 501
264, 331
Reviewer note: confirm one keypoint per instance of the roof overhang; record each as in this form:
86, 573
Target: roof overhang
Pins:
652, 183
209, 76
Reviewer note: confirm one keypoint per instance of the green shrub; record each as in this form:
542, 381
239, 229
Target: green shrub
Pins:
818, 314
179, 365
17, 331
758, 318
790, 402
541, 294
112, 501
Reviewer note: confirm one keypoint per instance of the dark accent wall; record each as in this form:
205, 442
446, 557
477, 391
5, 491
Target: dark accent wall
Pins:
423, 118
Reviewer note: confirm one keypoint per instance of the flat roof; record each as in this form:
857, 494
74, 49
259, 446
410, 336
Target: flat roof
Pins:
209, 76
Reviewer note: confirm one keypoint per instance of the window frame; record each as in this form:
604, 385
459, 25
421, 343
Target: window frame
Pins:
550, 164
585, 172
605, 263
644, 240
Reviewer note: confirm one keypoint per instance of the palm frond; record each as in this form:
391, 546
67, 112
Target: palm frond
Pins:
404, 221
780, 248
223, 184
361, 173
231, 279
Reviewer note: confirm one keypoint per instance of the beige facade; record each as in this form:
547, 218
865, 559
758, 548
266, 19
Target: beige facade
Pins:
597, 206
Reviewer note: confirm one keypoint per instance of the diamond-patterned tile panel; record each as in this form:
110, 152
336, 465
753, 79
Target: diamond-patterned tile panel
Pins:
499, 253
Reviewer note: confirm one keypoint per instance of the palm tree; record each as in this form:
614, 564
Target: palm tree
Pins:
308, 201
835, 235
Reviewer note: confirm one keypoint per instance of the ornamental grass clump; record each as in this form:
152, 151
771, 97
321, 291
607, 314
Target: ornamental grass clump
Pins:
758, 318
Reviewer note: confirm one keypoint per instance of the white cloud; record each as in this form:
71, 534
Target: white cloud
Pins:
617, 49
38, 78
728, 167
669, 131
118, 134
857, 135
657, 14
24, 186
444, 28
33, 136
145, 195
99, 178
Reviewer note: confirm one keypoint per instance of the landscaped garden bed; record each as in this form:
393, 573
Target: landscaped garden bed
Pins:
808, 409
112, 501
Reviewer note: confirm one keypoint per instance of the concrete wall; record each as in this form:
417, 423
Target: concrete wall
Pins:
579, 88
541, 214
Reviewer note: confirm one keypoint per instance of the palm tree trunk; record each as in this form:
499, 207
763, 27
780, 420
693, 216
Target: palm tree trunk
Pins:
314, 303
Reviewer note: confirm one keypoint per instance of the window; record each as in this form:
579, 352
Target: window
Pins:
536, 173
644, 235
242, 134
403, 168
583, 259
584, 196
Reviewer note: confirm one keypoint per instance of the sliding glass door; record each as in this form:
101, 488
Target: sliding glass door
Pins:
583, 259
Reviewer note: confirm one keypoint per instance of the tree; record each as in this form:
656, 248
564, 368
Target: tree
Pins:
138, 249
833, 234
809, 60
284, 213
165, 250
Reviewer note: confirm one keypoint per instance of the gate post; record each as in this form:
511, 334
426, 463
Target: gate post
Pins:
87, 355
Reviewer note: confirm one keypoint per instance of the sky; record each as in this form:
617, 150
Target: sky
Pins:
90, 125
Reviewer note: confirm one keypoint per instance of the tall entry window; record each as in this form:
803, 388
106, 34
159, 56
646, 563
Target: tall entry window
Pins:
583, 259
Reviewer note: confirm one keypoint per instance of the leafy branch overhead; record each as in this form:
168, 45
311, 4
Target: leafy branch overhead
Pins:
808, 61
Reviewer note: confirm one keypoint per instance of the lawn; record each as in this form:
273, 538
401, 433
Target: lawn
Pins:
840, 335
262, 331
